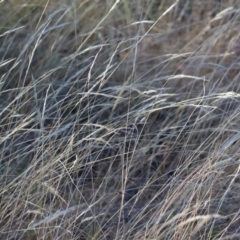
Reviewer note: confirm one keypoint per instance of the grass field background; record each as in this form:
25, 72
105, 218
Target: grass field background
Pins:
119, 119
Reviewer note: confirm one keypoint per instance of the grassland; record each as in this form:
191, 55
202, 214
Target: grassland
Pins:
119, 119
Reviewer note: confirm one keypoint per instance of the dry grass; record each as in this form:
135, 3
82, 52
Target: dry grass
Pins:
119, 119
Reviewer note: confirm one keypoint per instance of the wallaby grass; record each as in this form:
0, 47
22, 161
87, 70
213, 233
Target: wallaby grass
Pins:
119, 119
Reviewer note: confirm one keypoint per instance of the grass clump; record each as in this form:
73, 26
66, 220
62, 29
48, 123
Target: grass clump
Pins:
119, 119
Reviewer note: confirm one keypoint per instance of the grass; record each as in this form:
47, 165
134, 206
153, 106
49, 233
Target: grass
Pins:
119, 119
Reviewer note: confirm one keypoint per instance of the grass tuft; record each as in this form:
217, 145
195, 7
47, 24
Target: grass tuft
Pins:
119, 119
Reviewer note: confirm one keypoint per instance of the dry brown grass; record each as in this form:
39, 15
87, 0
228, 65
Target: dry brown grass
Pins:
119, 119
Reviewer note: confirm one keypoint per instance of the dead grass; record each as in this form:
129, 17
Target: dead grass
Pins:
119, 119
